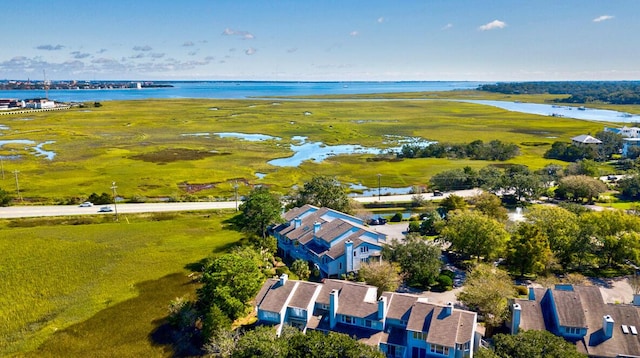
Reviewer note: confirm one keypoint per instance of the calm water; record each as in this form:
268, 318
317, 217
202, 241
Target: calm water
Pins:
238, 90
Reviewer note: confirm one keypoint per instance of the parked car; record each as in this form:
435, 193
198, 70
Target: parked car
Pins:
86, 204
437, 193
105, 209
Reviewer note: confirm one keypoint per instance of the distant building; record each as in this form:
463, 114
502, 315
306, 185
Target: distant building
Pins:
335, 243
39, 103
400, 325
580, 315
10, 103
586, 140
631, 138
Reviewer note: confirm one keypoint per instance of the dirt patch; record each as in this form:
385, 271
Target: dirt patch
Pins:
176, 154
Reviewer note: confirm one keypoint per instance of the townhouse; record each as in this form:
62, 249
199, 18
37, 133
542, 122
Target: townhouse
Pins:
400, 325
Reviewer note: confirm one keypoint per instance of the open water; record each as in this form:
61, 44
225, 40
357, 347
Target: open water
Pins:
240, 89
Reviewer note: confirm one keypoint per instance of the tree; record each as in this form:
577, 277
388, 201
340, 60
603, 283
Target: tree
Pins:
384, 275
260, 209
454, 179
453, 202
323, 191
230, 282
522, 182
486, 291
5, 198
611, 143
614, 235
320, 345
261, 342
419, 260
561, 229
630, 187
534, 344
528, 250
300, 267
490, 205
587, 167
579, 187
475, 234
490, 178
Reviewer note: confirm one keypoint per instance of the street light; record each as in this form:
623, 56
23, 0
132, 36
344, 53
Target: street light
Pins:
115, 205
379, 175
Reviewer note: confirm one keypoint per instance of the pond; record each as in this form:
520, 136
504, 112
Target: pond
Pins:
31, 145
318, 151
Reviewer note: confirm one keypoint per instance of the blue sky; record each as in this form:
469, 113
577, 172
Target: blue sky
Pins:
314, 40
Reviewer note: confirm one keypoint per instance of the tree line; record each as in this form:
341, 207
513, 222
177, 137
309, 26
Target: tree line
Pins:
476, 150
613, 92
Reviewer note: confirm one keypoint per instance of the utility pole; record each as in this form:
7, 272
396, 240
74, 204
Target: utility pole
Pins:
115, 205
379, 175
15, 172
235, 190
2, 167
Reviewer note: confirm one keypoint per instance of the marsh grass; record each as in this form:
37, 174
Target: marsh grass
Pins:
152, 147
53, 276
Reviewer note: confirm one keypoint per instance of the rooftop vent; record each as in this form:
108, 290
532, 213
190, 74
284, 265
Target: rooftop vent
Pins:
625, 329
634, 331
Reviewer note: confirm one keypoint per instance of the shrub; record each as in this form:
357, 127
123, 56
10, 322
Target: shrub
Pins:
445, 282
522, 290
396, 218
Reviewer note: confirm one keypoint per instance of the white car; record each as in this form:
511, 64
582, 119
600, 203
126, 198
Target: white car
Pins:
86, 204
105, 209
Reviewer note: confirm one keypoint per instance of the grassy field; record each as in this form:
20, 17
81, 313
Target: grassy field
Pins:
83, 286
153, 148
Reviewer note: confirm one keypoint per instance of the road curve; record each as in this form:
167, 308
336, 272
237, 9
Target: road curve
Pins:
11, 212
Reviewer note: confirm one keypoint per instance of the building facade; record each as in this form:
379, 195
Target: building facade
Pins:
334, 242
400, 325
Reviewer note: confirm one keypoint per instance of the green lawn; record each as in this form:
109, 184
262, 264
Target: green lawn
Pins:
90, 280
152, 148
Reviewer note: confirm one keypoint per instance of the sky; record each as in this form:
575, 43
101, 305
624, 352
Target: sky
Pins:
321, 40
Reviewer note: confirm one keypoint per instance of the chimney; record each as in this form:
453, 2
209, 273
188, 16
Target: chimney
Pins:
382, 308
607, 326
636, 299
448, 309
316, 227
532, 294
348, 255
333, 308
516, 311
297, 222
283, 279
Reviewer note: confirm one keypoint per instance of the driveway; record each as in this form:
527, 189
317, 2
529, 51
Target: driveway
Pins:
392, 230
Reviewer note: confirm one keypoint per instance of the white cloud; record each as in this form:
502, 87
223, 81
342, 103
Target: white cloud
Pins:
447, 26
354, 33
603, 18
250, 51
380, 20
188, 44
495, 24
245, 35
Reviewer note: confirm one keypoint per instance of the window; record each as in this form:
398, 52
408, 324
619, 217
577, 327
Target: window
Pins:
420, 336
463, 346
348, 319
364, 249
354, 254
572, 330
367, 323
364, 259
438, 349
340, 266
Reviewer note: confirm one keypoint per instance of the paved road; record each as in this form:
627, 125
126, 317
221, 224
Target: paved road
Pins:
68, 210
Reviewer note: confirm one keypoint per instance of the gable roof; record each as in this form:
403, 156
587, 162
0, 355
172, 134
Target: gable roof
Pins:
570, 310
273, 296
586, 139
354, 299
441, 328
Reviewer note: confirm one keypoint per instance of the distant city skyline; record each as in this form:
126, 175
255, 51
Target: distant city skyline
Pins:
295, 40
